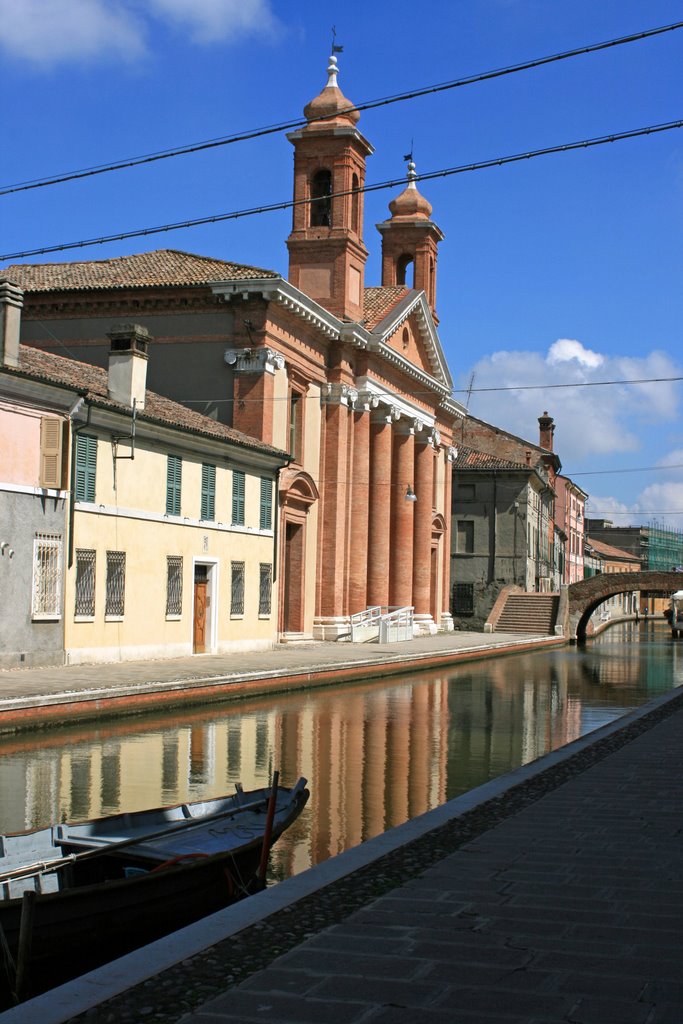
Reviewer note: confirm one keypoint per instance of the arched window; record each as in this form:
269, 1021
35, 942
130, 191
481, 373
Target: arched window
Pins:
355, 205
405, 270
321, 205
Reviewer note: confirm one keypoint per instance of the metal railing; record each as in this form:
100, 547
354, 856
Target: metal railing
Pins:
382, 624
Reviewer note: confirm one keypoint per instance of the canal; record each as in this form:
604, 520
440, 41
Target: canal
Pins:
375, 753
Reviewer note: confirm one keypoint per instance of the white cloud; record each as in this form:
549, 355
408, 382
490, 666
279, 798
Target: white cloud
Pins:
565, 349
590, 420
46, 32
212, 21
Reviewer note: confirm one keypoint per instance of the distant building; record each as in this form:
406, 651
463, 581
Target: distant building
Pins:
610, 560
570, 502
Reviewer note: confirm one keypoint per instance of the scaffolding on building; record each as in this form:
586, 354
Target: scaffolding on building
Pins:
665, 547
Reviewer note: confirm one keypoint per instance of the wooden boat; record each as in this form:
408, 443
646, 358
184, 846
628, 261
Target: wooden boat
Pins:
92, 891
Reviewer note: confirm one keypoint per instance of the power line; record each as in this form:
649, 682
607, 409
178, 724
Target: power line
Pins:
393, 183
282, 126
635, 469
580, 384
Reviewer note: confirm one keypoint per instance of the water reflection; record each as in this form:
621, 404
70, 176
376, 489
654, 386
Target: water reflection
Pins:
375, 753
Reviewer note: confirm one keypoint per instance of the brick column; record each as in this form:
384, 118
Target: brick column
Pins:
401, 576
360, 513
334, 508
379, 508
253, 387
422, 533
446, 617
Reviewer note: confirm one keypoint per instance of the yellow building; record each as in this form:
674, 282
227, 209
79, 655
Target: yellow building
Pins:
171, 540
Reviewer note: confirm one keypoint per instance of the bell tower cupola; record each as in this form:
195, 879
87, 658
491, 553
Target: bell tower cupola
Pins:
326, 251
409, 242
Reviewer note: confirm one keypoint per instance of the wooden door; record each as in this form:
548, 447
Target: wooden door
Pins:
199, 633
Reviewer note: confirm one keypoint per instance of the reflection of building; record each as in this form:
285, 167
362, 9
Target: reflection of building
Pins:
351, 381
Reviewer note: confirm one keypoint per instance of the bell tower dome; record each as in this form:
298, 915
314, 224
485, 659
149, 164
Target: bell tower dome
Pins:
409, 240
326, 252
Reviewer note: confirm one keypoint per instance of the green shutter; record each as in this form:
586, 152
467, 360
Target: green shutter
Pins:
266, 508
173, 481
86, 467
208, 492
237, 497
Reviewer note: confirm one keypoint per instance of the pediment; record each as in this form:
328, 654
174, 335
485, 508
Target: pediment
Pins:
408, 331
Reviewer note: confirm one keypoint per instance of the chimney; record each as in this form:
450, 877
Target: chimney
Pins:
128, 364
11, 302
547, 425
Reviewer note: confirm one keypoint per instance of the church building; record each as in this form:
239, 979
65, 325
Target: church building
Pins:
350, 380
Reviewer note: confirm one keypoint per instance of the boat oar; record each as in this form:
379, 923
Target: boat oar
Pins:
39, 868
270, 814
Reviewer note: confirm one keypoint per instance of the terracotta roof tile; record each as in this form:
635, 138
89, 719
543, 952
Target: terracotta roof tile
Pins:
607, 551
165, 267
92, 380
468, 458
380, 301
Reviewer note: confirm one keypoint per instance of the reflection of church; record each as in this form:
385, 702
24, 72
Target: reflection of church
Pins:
352, 381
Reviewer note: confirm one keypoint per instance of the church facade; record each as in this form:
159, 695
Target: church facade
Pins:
350, 380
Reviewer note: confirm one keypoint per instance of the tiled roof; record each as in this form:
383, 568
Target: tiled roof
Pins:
84, 377
165, 267
607, 551
468, 458
380, 301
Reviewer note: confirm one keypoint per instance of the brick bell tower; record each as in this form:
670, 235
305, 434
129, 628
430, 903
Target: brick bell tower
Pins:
326, 251
410, 237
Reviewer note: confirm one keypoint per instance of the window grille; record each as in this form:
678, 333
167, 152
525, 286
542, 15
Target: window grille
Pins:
208, 510
266, 514
116, 583
463, 599
265, 588
237, 497
237, 588
86, 467
174, 469
174, 585
47, 576
85, 582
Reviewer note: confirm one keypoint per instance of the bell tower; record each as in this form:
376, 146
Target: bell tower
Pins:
326, 251
409, 242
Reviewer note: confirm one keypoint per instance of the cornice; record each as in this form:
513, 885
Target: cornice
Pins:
286, 295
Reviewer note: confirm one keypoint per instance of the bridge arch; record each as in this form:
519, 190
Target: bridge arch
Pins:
586, 595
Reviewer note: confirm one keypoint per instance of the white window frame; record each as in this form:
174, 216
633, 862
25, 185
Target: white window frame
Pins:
46, 586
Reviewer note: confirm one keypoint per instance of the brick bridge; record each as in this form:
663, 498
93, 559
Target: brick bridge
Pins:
584, 597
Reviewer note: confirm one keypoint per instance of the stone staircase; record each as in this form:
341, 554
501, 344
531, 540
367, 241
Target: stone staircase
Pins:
529, 613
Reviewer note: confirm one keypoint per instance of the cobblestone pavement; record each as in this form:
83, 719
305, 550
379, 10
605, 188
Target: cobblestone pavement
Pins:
559, 901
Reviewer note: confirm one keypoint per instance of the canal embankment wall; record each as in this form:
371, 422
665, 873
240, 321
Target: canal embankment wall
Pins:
34, 698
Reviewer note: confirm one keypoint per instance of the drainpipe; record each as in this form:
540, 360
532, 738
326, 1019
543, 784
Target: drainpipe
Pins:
72, 481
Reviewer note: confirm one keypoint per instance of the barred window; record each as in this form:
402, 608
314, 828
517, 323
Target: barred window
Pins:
174, 585
47, 576
116, 583
463, 599
237, 588
85, 582
266, 508
265, 588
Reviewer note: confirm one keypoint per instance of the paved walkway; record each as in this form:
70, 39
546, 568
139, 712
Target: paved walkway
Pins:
31, 696
553, 895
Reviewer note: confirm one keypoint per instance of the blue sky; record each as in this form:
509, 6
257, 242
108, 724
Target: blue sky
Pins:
562, 269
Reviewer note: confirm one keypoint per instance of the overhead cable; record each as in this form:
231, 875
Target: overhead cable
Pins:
393, 183
255, 133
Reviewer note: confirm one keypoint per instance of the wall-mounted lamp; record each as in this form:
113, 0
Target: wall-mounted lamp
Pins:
410, 494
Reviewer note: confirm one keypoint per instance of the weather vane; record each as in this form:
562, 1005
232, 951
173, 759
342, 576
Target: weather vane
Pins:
409, 156
335, 48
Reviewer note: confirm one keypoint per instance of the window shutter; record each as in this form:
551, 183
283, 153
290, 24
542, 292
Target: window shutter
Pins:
51, 434
238, 497
86, 466
208, 492
266, 509
173, 485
